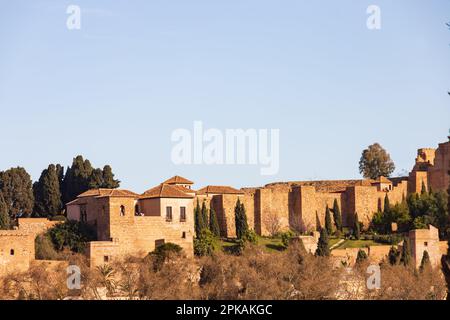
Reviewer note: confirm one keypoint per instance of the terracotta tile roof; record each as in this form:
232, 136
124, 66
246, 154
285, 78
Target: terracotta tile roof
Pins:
100, 193
219, 190
165, 191
178, 180
382, 180
184, 189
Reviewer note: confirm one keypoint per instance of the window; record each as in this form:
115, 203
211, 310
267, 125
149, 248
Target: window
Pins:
182, 214
122, 210
83, 213
136, 210
105, 258
425, 244
183, 235
11, 252
168, 213
103, 210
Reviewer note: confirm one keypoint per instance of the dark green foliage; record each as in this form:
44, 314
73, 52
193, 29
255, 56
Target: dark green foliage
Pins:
423, 189
394, 256
5, 222
406, 253
198, 220
81, 176
318, 225
17, 190
357, 227
375, 162
387, 238
205, 244
204, 214
425, 263
240, 219
322, 247
213, 222
362, 256
328, 223
47, 194
399, 213
72, 235
165, 252
337, 216
286, 238
387, 204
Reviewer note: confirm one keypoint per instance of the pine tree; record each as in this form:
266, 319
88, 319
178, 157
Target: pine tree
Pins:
4, 216
406, 253
337, 216
240, 219
17, 190
204, 214
322, 246
328, 223
198, 221
318, 224
357, 227
213, 223
425, 263
47, 193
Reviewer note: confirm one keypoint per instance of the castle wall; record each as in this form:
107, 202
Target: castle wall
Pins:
439, 177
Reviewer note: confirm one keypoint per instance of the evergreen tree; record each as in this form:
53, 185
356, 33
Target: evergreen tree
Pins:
4, 216
357, 227
387, 205
318, 224
240, 219
375, 162
96, 179
322, 246
17, 190
204, 213
108, 178
362, 255
393, 256
425, 263
337, 216
423, 190
406, 253
198, 221
77, 179
328, 223
47, 193
213, 223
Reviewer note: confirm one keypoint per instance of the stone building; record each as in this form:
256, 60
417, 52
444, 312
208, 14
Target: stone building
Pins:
129, 223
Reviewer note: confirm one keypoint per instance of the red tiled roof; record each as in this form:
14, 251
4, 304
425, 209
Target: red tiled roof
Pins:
178, 180
184, 189
165, 191
101, 192
219, 190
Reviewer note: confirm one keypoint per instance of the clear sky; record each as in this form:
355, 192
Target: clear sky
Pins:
115, 90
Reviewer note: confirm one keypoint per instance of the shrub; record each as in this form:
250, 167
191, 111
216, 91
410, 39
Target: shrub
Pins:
165, 252
72, 235
205, 244
387, 239
362, 255
286, 237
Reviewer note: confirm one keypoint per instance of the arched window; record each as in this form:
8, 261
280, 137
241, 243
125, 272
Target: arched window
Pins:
122, 210
11, 252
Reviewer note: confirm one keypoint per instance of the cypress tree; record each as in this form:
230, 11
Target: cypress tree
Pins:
387, 204
198, 220
4, 216
425, 263
318, 225
77, 179
240, 220
423, 189
322, 246
337, 216
406, 253
362, 255
96, 179
328, 223
357, 227
213, 223
47, 193
204, 214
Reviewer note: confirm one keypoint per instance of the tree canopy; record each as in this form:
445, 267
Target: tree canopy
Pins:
375, 162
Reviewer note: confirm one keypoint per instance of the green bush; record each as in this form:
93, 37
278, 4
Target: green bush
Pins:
205, 244
286, 237
72, 235
58, 218
387, 239
165, 252
250, 236
362, 255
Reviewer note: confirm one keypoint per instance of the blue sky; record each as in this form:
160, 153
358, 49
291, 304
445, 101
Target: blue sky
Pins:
115, 90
